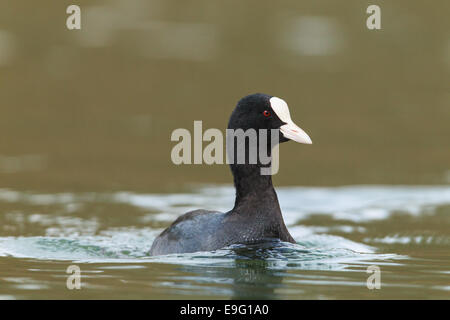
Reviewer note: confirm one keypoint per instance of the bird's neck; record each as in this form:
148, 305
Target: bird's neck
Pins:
253, 188
257, 201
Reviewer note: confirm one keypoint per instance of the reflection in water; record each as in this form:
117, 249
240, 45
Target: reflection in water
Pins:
253, 280
248, 279
257, 271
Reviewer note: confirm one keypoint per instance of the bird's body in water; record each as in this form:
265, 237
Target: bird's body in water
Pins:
256, 215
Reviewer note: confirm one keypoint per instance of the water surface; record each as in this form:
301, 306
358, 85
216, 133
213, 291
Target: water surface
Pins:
340, 232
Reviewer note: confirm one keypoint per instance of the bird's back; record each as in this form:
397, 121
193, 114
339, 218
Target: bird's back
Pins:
193, 231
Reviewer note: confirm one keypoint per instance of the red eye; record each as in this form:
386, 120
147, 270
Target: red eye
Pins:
266, 113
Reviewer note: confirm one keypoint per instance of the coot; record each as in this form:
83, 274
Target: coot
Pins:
256, 215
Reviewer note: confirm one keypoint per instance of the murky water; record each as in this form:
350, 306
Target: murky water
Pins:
340, 232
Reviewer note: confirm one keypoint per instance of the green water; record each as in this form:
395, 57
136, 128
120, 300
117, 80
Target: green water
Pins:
401, 230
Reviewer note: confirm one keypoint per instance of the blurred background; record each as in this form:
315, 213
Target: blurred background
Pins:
93, 109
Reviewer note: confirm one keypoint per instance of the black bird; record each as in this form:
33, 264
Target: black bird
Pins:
256, 215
